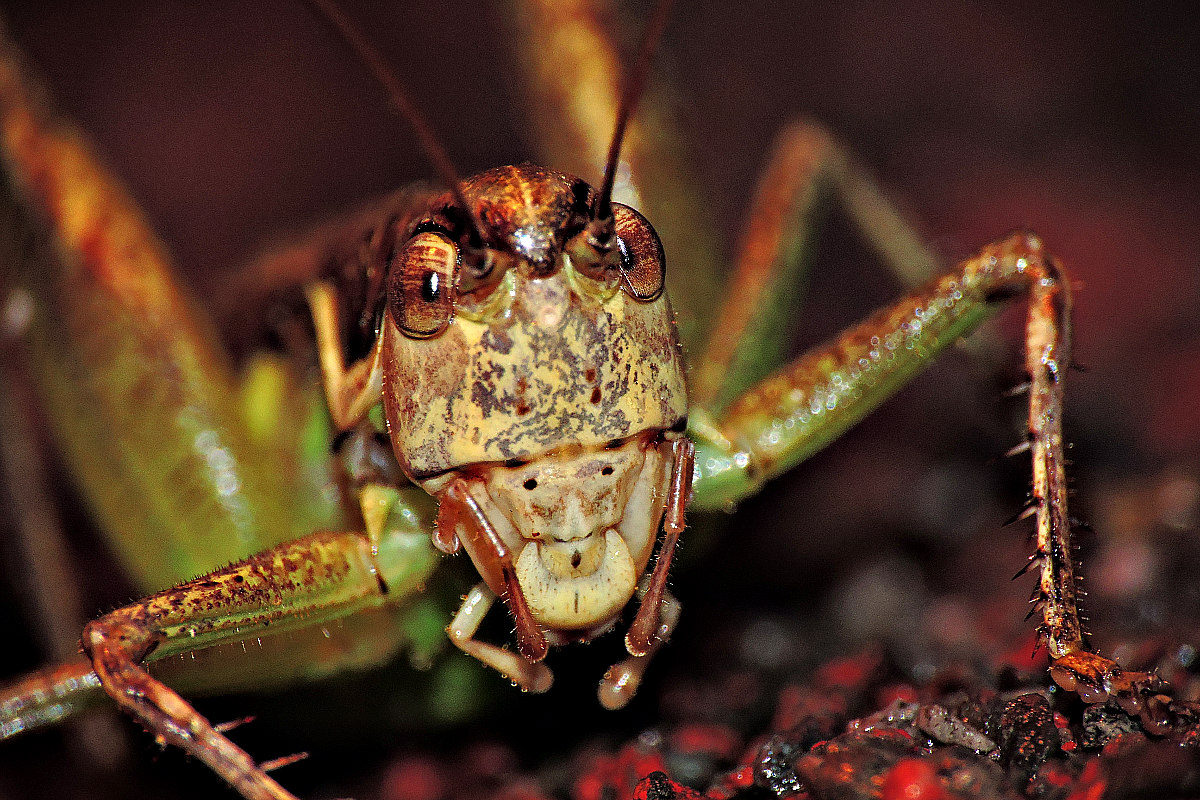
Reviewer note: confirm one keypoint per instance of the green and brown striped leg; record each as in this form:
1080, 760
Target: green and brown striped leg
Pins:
805, 405
299, 584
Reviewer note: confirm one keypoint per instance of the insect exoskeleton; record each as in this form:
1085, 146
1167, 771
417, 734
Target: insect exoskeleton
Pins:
534, 384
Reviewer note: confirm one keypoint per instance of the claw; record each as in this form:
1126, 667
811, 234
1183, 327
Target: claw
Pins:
1097, 679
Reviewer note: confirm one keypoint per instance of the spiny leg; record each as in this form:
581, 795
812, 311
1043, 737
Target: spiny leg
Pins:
301, 583
530, 676
805, 405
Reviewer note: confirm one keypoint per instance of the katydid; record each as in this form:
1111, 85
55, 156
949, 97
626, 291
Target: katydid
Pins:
523, 261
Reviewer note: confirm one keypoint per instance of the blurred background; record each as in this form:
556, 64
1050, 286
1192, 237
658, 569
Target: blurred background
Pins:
235, 124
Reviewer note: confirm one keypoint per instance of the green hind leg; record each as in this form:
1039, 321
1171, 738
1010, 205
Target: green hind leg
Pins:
807, 174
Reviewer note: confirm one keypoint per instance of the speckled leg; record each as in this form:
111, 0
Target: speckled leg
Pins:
317, 578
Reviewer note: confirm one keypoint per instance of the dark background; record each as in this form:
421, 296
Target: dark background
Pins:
234, 123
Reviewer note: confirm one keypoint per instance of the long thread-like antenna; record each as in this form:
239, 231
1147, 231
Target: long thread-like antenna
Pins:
403, 103
629, 101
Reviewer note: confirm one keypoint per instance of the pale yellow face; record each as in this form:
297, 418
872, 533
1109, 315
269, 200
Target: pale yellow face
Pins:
551, 405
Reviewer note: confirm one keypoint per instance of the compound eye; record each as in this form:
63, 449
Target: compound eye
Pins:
420, 285
643, 263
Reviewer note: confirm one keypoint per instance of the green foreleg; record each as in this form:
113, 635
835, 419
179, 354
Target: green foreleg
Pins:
792, 414
801, 408
309, 581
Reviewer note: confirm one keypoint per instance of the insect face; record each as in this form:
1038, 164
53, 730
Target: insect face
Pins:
545, 372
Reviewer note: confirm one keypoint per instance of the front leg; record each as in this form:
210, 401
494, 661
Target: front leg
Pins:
306, 582
788, 416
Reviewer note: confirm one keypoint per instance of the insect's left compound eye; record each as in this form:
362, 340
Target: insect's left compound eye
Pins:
420, 285
643, 263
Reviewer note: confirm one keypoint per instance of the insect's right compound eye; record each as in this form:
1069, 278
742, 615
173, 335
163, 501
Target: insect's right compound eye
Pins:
643, 264
421, 285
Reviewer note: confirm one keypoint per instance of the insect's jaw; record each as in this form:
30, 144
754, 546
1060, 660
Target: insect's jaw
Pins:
577, 583
578, 525
563, 597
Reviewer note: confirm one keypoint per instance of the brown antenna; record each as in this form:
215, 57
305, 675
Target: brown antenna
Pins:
629, 101
404, 104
